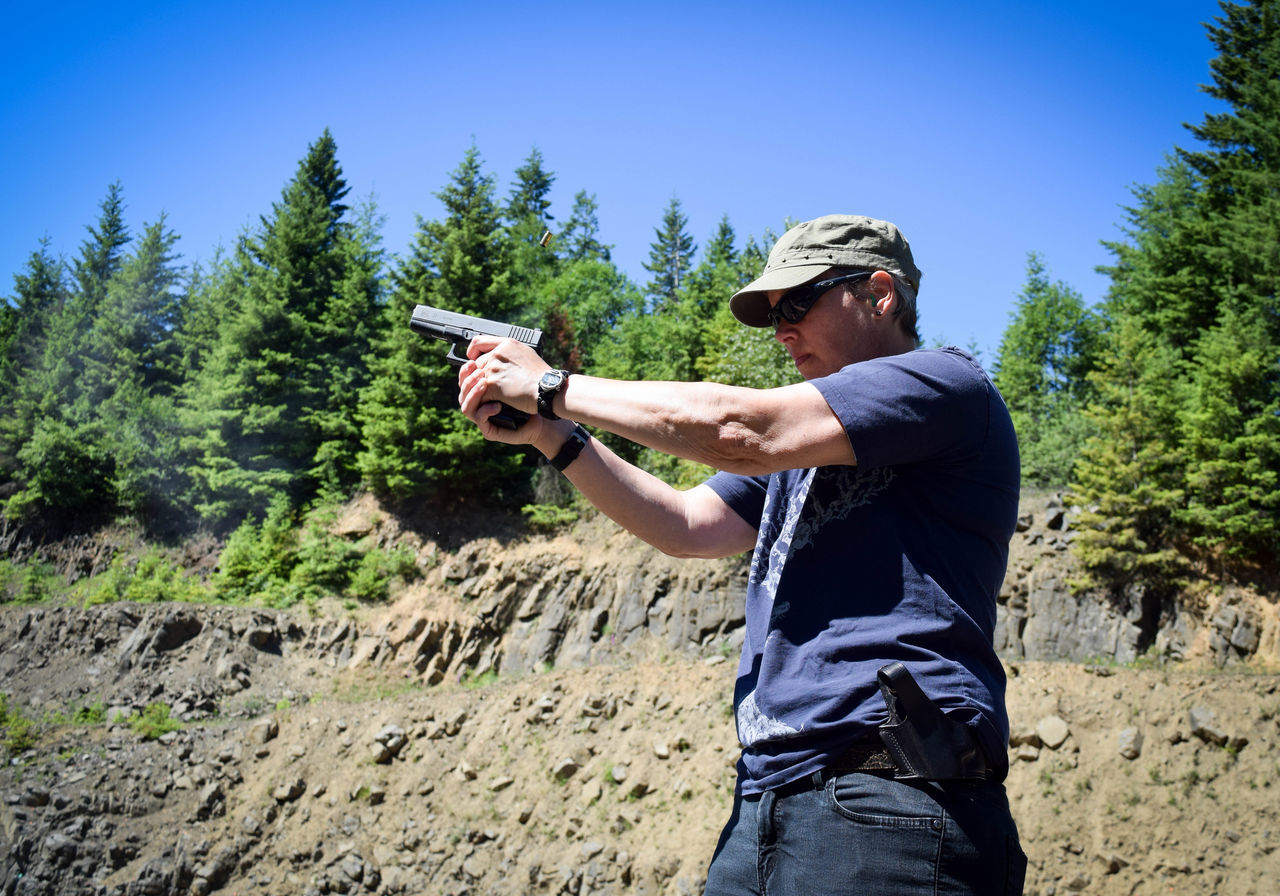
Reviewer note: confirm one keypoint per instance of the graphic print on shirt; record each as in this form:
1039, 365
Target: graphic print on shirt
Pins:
791, 530
778, 530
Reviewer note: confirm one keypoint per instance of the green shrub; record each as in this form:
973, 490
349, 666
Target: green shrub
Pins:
282, 561
153, 721
548, 517
151, 577
19, 731
28, 583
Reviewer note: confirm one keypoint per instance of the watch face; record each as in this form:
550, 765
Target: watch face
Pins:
551, 379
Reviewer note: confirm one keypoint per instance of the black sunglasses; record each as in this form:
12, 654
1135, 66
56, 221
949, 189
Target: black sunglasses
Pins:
795, 303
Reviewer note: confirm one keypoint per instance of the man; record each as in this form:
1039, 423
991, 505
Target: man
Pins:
879, 497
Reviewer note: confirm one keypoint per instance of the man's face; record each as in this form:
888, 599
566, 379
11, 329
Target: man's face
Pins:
838, 329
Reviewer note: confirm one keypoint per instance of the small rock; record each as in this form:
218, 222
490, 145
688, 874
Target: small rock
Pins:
289, 791
1052, 731
564, 769
1204, 726
1130, 743
1024, 734
1113, 863
661, 751
500, 784
263, 730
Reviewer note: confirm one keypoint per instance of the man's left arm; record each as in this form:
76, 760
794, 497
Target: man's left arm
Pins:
739, 430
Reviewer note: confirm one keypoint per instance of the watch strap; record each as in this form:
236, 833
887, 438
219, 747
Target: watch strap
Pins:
572, 448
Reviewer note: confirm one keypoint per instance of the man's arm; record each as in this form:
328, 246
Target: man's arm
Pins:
739, 430
691, 523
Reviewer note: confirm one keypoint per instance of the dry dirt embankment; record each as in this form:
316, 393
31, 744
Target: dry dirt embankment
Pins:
554, 717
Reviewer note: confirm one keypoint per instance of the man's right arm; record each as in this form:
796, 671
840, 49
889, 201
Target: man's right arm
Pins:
691, 523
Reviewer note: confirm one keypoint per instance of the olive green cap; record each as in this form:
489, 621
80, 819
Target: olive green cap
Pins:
808, 250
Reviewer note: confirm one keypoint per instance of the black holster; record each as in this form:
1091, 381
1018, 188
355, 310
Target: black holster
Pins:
923, 741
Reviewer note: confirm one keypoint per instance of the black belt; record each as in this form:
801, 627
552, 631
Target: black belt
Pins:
863, 756
868, 756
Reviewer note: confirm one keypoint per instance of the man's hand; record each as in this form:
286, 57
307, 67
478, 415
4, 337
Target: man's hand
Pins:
506, 371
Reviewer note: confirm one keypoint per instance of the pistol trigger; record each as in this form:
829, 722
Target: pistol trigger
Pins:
453, 356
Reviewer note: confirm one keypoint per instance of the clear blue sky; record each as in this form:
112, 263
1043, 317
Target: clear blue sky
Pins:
985, 130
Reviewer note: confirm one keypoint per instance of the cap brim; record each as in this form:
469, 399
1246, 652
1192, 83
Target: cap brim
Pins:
750, 304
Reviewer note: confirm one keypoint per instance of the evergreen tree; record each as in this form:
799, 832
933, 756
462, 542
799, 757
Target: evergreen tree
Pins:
130, 377
580, 237
732, 353
40, 292
528, 217
1201, 262
1230, 427
259, 410
352, 322
580, 306
670, 256
416, 442
213, 297
528, 200
1127, 479
133, 329
100, 255
63, 462
1042, 371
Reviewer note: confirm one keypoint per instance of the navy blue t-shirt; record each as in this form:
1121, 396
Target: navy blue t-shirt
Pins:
897, 558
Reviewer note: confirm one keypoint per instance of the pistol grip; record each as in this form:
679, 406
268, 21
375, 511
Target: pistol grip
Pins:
509, 418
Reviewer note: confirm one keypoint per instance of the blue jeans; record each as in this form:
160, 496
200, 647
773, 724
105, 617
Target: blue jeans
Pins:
867, 834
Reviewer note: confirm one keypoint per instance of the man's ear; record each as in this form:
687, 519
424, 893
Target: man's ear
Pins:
883, 292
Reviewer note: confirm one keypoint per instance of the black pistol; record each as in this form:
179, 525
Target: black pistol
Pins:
458, 330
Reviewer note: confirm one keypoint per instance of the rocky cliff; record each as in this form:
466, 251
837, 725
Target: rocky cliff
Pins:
553, 715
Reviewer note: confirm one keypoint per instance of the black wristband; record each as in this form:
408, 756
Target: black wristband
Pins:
572, 448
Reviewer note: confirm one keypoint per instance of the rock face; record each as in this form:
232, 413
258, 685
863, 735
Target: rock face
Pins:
1040, 617
553, 716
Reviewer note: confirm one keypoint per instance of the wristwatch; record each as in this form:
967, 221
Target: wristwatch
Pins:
552, 382
572, 448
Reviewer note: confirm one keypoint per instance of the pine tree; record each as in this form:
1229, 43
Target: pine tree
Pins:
580, 237
528, 216
100, 255
579, 307
417, 443
670, 256
258, 411
63, 463
40, 292
130, 377
735, 353
1042, 371
352, 322
133, 329
1203, 260
1230, 426
1127, 479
